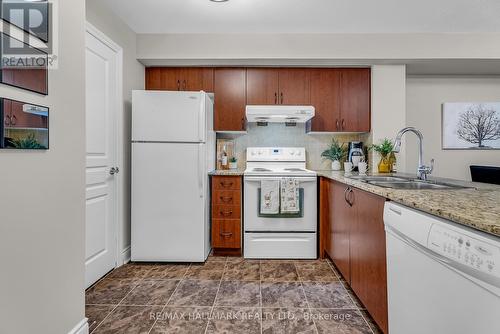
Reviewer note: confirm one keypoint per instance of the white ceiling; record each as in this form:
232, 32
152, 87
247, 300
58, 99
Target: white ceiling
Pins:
308, 16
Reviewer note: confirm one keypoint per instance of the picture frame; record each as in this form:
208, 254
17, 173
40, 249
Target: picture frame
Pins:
471, 126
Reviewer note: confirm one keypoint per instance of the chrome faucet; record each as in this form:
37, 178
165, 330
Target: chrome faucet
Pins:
422, 170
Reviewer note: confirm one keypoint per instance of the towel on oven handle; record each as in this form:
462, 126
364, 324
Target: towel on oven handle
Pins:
269, 197
290, 195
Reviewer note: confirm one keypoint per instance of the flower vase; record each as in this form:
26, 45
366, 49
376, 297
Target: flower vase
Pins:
384, 166
336, 165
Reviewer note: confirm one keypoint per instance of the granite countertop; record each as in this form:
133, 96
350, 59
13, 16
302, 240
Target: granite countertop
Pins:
227, 172
477, 207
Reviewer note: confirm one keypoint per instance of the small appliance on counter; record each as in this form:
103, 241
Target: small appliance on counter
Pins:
355, 153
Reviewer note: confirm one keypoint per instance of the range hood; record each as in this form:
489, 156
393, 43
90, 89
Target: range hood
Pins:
279, 114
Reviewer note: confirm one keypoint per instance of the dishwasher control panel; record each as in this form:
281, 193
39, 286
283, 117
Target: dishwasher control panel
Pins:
465, 249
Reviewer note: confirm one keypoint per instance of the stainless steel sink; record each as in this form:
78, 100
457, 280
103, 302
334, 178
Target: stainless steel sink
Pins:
417, 185
366, 178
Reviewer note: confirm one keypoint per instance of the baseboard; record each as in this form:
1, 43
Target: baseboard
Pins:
125, 256
81, 328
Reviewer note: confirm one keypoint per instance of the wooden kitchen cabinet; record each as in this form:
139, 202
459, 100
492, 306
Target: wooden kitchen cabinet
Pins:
262, 86
180, 78
286, 86
294, 86
352, 234
226, 215
355, 100
230, 99
325, 97
368, 258
340, 223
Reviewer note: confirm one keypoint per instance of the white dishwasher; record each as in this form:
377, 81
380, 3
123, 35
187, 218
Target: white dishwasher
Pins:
442, 278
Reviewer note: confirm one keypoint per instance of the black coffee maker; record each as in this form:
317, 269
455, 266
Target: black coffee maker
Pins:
356, 153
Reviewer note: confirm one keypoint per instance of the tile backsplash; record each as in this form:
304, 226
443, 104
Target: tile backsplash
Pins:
276, 135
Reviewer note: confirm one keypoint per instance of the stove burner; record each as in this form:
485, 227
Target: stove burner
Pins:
261, 170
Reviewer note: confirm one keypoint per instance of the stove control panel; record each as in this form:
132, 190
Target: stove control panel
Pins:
276, 154
465, 249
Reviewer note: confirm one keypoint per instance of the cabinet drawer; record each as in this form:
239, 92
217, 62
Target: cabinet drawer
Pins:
226, 211
226, 233
226, 182
226, 197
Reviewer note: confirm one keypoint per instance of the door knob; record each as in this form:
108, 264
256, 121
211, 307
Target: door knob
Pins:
114, 170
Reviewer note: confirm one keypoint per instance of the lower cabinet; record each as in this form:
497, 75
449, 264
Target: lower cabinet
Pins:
353, 236
226, 215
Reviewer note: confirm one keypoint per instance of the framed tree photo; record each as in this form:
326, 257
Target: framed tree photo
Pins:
471, 126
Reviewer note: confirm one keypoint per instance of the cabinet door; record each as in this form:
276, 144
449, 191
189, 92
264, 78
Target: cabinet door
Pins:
153, 78
324, 218
294, 86
368, 257
170, 79
196, 79
262, 86
355, 99
325, 97
226, 233
230, 99
342, 216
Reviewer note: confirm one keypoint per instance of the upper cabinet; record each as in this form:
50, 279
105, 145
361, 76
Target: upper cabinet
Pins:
355, 100
342, 99
287, 86
262, 86
325, 97
341, 96
180, 78
230, 99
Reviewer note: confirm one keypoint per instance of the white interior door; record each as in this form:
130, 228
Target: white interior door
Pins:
101, 106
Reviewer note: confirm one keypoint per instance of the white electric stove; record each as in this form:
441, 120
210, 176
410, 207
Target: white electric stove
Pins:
279, 236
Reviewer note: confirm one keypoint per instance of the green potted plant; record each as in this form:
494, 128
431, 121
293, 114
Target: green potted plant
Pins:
335, 153
384, 149
233, 163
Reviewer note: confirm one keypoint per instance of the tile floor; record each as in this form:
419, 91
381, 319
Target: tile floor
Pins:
226, 295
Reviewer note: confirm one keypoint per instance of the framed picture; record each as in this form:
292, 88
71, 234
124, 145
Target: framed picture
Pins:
471, 126
28, 71
24, 126
31, 16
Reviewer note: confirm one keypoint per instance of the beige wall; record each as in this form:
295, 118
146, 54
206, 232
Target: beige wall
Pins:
388, 107
352, 47
42, 196
425, 96
133, 78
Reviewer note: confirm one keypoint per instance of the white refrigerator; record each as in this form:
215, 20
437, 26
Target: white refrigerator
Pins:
173, 149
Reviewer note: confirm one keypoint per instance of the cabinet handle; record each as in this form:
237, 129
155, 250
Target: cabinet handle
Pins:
343, 124
345, 194
226, 234
226, 185
184, 85
337, 123
178, 85
242, 124
275, 97
351, 202
226, 199
226, 213
281, 96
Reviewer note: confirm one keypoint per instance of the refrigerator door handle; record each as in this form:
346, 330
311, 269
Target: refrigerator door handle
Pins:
201, 119
200, 170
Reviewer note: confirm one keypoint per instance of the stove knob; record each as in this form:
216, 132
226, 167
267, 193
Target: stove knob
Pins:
252, 153
292, 152
260, 152
299, 153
